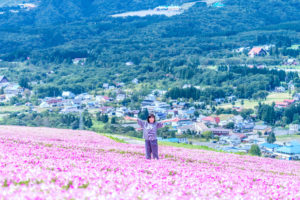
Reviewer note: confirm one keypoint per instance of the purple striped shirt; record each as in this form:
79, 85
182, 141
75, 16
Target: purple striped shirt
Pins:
149, 129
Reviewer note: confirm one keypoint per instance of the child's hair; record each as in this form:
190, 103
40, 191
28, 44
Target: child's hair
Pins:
151, 115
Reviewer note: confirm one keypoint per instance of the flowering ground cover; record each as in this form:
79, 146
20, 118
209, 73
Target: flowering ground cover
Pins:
45, 163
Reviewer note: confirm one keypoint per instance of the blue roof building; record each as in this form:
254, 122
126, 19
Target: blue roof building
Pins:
269, 146
290, 151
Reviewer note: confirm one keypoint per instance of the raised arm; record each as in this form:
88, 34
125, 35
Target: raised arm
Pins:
140, 122
166, 120
130, 118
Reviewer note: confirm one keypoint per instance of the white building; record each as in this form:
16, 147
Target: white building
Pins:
68, 95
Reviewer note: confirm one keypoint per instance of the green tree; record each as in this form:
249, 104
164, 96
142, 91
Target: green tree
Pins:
104, 118
207, 135
143, 114
230, 125
87, 119
255, 150
271, 138
23, 82
113, 120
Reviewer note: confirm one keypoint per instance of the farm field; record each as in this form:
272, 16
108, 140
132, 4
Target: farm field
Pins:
272, 97
45, 163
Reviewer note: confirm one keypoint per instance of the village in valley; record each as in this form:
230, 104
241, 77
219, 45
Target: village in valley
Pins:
192, 122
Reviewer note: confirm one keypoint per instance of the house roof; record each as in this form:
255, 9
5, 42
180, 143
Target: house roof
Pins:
289, 100
211, 119
289, 150
255, 50
2, 77
270, 146
260, 127
282, 103
292, 148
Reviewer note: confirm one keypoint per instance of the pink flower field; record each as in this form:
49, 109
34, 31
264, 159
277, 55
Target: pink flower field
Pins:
45, 163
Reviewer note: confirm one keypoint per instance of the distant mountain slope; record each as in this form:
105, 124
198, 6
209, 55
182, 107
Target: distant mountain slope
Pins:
60, 30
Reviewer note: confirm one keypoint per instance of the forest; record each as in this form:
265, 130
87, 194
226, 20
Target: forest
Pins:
46, 39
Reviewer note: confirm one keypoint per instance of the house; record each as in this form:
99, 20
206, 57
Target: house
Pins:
3, 79
238, 119
27, 6
2, 97
162, 105
186, 86
177, 122
291, 61
55, 102
269, 147
68, 95
200, 127
121, 111
232, 98
293, 128
44, 105
135, 81
135, 113
120, 97
129, 63
257, 51
285, 103
105, 85
254, 139
280, 131
79, 61
147, 102
84, 96
289, 101
28, 104
111, 87
220, 131
297, 97
119, 85
197, 127
235, 139
279, 89
67, 102
264, 129
182, 129
13, 89
91, 104
211, 120
220, 100
70, 110
102, 99
281, 105
244, 127
290, 151
158, 92
106, 109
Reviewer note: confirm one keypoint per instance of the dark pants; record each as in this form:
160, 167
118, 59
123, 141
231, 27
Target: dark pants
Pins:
151, 146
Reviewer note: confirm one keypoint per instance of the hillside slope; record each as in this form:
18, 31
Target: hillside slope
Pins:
64, 164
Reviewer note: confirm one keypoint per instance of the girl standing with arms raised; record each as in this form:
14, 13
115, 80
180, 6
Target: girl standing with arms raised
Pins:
149, 127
